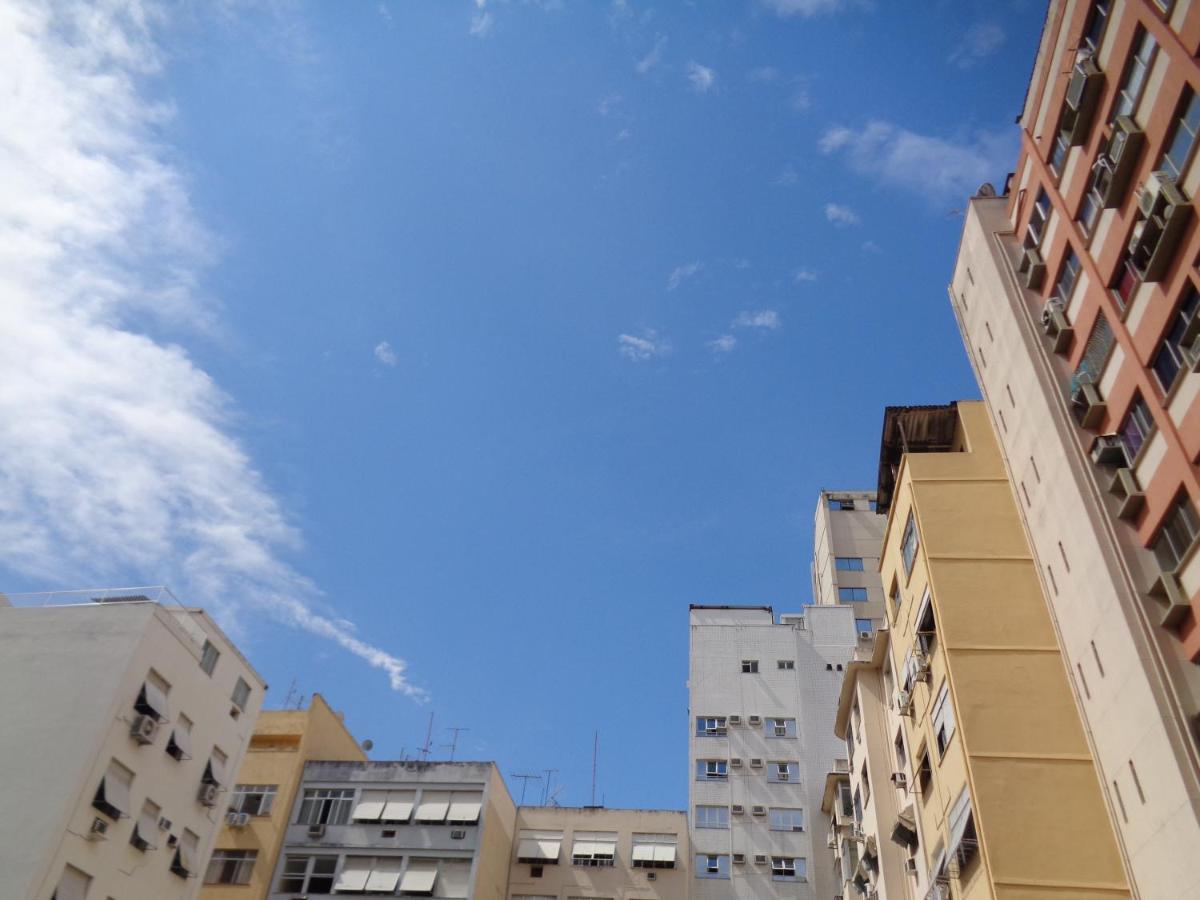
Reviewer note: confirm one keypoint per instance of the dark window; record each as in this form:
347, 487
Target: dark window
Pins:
1136, 70
909, 544
1135, 427
230, 867
852, 594
924, 776
1125, 282
927, 630
1183, 137
1169, 359
1095, 354
841, 504
1179, 529
1093, 29
750, 666
208, 657
849, 563
1068, 273
1037, 219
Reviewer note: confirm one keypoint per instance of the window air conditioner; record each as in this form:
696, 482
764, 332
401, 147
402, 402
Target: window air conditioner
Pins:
737, 809
1089, 407
735, 720
739, 858
1166, 212
900, 780
735, 762
920, 666
756, 763
756, 720
1056, 325
143, 729
758, 810
904, 702
1082, 93
1124, 148
237, 819
316, 832
910, 866
760, 859
98, 831
1033, 267
1173, 599
164, 824
1107, 450
207, 795
1125, 487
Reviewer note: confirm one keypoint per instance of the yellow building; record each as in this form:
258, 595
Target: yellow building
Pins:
1003, 799
284, 740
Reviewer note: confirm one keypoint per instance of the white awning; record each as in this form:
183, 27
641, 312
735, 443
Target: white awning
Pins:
594, 845
217, 768
664, 853
434, 806
355, 872
116, 784
539, 849
465, 808
182, 739
385, 875
147, 827
420, 877
73, 885
399, 806
960, 815
370, 806
643, 852
456, 879
155, 700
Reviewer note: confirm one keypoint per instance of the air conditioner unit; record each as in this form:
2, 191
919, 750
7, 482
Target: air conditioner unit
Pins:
737, 809
760, 859
98, 831
920, 669
758, 810
1107, 450
756, 763
739, 859
143, 729
1056, 325
1124, 148
904, 702
237, 819
756, 720
1083, 92
865, 635
856, 833
735, 720
735, 762
1151, 190
316, 832
831, 841
207, 795
164, 824
1089, 407
1033, 267
910, 866
1155, 239
1126, 489
900, 780
1084, 70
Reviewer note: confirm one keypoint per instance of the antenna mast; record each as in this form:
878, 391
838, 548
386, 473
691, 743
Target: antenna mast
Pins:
454, 740
425, 750
525, 779
595, 753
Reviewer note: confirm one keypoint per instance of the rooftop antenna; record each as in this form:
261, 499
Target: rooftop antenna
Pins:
550, 773
428, 746
595, 753
525, 779
291, 693
552, 800
453, 745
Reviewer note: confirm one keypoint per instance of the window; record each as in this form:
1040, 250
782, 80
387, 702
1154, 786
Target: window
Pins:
1093, 29
465, 807
230, 867
1183, 138
849, 563
866, 784
654, 851
712, 816
712, 865
924, 773
779, 728
539, 847
856, 719
864, 626
943, 720
241, 694
1135, 427
1037, 220
73, 885
852, 594
326, 806
1170, 358
786, 819
841, 503
787, 868
749, 666
184, 863
385, 806
307, 875
901, 754
208, 657
1062, 144
710, 726
419, 877
909, 544
1179, 530
788, 664
895, 596
1095, 353
145, 830
152, 698
1134, 80
594, 848
858, 805
963, 840
1068, 273
255, 799
1093, 200
784, 771
926, 625
712, 769
112, 796
433, 807
180, 744
845, 800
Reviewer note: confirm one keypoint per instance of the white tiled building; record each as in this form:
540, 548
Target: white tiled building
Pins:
763, 696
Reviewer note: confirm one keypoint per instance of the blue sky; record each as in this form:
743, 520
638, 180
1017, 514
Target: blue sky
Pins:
448, 350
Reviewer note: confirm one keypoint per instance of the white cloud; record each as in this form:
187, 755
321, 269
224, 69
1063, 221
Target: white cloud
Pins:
654, 57
871, 247
937, 168
608, 104
682, 273
641, 348
723, 344
386, 15
801, 99
763, 318
703, 78
764, 74
118, 461
385, 354
804, 276
788, 177
482, 24
981, 41
807, 8
841, 215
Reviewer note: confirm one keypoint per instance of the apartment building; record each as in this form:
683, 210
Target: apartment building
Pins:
125, 716
573, 853
762, 696
847, 533
868, 797
256, 808
434, 829
1076, 293
1000, 795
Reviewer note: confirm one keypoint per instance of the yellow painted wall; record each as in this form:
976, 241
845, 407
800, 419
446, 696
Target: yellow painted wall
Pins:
283, 741
495, 841
1041, 818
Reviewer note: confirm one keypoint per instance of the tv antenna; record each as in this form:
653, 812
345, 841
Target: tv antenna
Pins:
595, 753
453, 745
428, 745
292, 695
550, 773
525, 779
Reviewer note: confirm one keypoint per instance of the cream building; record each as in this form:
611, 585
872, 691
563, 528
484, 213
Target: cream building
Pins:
256, 808
565, 853
125, 720
847, 534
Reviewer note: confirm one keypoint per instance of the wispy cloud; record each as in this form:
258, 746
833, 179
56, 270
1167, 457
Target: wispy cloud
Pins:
118, 458
841, 215
767, 319
871, 247
386, 15
646, 346
808, 8
804, 276
385, 354
608, 104
654, 57
787, 177
682, 273
981, 41
765, 74
722, 345
482, 23
934, 167
703, 78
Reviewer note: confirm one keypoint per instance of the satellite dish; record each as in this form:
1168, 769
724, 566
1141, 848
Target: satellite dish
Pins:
368, 745
986, 190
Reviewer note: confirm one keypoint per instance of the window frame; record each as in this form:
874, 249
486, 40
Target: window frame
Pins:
209, 656
910, 544
266, 794
719, 727
1140, 37
848, 563
712, 770
786, 818
1181, 509
235, 862
945, 725
853, 594
305, 886
327, 806
709, 816
1189, 102
714, 865
790, 766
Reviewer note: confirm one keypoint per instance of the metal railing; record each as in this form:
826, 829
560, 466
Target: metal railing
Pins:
158, 593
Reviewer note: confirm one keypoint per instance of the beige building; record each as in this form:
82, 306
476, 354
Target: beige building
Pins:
1000, 784
847, 534
257, 806
563, 853
125, 720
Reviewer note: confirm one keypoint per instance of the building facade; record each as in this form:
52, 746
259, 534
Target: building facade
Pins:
125, 719
1000, 795
1076, 294
569, 853
437, 829
847, 533
762, 696
256, 809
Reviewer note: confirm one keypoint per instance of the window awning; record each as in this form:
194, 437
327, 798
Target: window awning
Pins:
645, 852
355, 872
420, 877
384, 875
664, 853
182, 739
539, 849
594, 845
465, 808
370, 806
434, 806
152, 701
399, 806
73, 885
960, 816
216, 771
147, 827
115, 788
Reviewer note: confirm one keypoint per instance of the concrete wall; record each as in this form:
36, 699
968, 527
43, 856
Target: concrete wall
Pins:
850, 533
